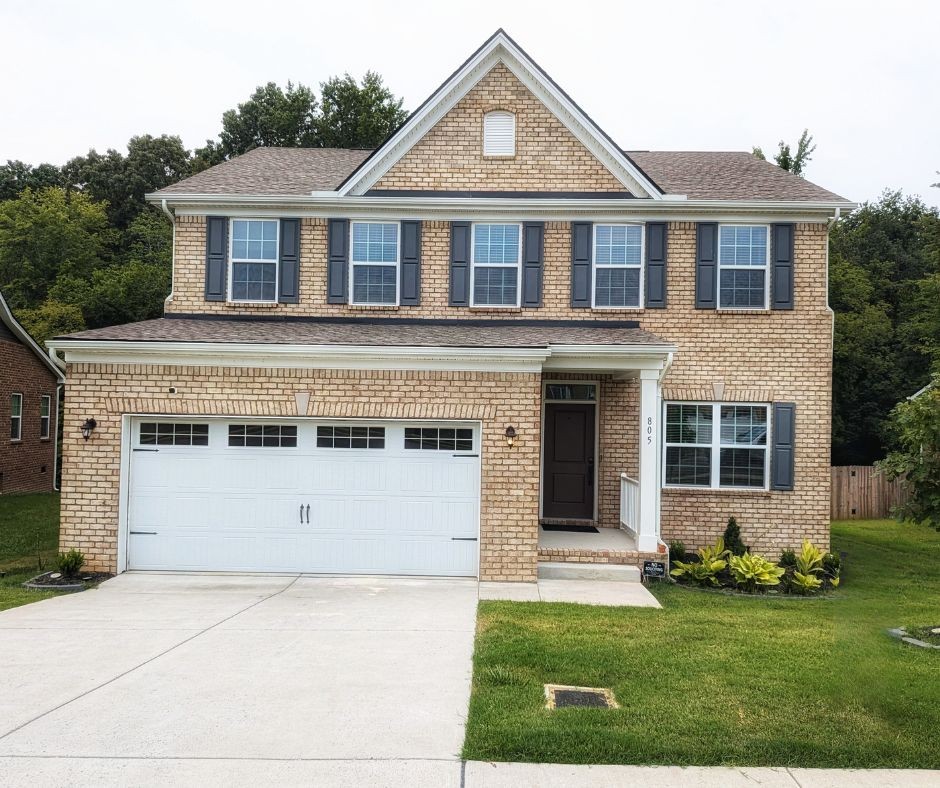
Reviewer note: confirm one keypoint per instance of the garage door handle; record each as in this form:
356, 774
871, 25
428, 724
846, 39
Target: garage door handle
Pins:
463, 539
301, 514
466, 455
308, 514
143, 533
146, 450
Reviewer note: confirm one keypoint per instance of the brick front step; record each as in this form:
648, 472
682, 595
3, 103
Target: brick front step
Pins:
569, 555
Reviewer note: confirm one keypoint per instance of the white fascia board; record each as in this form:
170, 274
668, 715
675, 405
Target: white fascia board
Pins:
480, 208
612, 358
501, 49
7, 318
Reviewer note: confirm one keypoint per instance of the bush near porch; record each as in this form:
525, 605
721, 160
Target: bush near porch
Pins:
29, 534
719, 680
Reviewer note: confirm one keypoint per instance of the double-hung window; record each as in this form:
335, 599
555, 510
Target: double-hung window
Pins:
254, 260
716, 445
496, 263
743, 256
618, 265
45, 415
375, 258
16, 417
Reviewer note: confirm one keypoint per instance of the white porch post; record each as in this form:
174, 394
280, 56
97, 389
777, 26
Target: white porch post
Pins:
648, 525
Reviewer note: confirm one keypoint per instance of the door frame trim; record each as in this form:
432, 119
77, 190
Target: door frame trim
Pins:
596, 402
127, 443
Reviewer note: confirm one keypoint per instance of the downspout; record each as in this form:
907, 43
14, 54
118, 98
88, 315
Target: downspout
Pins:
172, 217
58, 429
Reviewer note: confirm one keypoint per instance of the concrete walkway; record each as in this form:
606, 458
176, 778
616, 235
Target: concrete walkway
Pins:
583, 592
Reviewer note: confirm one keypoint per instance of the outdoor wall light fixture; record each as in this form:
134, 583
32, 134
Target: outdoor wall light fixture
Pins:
510, 436
88, 427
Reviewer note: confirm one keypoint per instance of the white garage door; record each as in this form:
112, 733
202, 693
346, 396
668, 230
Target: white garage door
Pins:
304, 496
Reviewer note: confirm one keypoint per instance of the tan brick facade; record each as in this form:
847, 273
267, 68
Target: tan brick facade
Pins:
26, 465
548, 157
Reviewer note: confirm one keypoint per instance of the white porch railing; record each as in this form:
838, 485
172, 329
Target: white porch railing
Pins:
630, 504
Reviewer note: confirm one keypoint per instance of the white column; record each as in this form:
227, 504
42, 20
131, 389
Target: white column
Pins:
648, 525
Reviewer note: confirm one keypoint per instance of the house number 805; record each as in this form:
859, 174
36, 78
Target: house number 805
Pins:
649, 430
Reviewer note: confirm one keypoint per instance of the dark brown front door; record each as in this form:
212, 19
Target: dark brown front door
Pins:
568, 475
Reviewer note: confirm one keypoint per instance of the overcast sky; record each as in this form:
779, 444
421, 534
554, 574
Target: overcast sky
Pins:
864, 77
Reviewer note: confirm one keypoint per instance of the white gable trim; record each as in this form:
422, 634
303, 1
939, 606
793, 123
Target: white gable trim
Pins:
6, 317
500, 49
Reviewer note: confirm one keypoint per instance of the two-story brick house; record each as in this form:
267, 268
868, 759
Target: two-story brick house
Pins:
29, 408
411, 360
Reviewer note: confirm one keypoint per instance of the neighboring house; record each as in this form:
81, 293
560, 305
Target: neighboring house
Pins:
29, 407
401, 361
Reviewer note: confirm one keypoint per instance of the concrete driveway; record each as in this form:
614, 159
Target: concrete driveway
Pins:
238, 679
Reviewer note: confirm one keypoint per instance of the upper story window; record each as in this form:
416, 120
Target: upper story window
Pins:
743, 255
496, 262
499, 134
375, 258
716, 445
16, 417
254, 260
618, 265
45, 419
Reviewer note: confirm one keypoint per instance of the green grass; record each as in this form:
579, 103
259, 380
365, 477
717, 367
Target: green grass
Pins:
718, 680
29, 534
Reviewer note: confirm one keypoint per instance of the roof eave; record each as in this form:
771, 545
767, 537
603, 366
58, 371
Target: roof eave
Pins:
7, 318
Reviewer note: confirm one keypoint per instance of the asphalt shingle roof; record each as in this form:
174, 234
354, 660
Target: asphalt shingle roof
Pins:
387, 333
700, 175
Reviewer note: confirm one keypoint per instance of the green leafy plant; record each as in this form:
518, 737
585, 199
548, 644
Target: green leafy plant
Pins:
804, 584
832, 570
732, 538
754, 572
676, 551
806, 577
787, 559
70, 563
704, 572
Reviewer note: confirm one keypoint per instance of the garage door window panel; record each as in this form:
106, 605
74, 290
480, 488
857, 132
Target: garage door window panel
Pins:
173, 434
329, 437
439, 439
281, 436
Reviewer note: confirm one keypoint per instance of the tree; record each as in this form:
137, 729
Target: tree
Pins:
15, 176
792, 162
354, 116
122, 181
271, 117
48, 233
916, 425
51, 319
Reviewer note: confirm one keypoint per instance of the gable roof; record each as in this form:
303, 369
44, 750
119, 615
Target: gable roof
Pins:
700, 175
500, 48
7, 319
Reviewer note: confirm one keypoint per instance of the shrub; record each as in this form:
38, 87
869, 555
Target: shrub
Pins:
732, 538
832, 569
676, 551
70, 563
704, 572
806, 576
787, 559
754, 572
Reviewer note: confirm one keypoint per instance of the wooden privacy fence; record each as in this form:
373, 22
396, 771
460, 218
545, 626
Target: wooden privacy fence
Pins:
861, 492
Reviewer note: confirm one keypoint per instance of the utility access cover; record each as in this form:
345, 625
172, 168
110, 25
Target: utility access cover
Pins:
559, 696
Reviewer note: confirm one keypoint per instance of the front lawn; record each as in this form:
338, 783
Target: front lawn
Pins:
717, 680
29, 537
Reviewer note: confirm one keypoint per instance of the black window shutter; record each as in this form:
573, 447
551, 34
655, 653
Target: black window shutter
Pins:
216, 257
460, 263
784, 437
410, 263
706, 266
533, 252
288, 291
582, 239
782, 272
337, 262
656, 265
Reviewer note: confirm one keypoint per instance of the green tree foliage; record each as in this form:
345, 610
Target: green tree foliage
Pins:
51, 319
15, 176
270, 117
357, 116
46, 234
883, 279
122, 181
916, 426
789, 161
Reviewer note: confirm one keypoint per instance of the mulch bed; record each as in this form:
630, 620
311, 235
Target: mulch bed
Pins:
55, 581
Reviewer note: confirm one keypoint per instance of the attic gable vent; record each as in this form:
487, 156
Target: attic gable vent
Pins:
499, 134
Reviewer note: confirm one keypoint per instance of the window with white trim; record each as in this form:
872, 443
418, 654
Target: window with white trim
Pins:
743, 257
716, 445
496, 253
499, 134
45, 416
254, 260
618, 265
375, 257
16, 417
